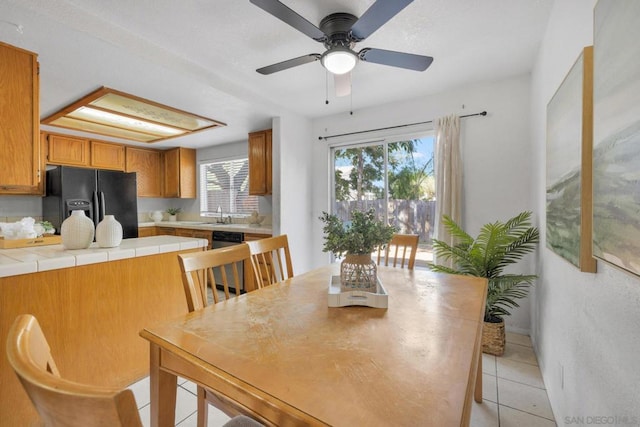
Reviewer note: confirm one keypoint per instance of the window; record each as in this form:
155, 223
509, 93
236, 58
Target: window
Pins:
396, 178
224, 188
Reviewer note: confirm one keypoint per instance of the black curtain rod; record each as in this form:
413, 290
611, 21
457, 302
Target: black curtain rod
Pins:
484, 113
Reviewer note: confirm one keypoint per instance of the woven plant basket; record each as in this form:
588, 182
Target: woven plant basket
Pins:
493, 338
358, 273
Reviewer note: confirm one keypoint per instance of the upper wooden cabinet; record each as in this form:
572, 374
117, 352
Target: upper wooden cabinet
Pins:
260, 162
77, 151
67, 150
147, 163
180, 173
21, 170
106, 155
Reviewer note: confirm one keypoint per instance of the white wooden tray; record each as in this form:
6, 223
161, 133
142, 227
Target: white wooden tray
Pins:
347, 298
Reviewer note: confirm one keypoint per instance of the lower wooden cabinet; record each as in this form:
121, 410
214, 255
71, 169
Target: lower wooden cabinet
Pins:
199, 234
165, 231
146, 231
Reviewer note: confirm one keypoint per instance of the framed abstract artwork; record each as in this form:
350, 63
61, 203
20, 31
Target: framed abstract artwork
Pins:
616, 137
569, 165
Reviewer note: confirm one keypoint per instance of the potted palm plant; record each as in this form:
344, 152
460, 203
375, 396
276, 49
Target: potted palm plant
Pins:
356, 239
497, 246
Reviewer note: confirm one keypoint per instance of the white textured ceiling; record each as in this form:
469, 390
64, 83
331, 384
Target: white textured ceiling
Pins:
201, 55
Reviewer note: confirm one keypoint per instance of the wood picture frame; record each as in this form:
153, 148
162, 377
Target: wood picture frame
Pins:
616, 142
569, 166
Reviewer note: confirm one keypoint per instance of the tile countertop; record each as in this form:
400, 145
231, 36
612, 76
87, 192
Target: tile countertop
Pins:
42, 258
240, 228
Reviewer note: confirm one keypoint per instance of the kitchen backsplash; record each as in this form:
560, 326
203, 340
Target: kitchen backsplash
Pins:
14, 208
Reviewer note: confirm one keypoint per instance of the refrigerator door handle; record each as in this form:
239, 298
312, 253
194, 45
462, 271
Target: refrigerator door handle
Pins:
102, 206
95, 208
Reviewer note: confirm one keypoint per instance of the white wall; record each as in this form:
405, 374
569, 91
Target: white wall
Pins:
293, 187
584, 326
496, 154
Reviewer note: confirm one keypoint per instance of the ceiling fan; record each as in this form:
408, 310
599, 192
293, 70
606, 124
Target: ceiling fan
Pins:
339, 32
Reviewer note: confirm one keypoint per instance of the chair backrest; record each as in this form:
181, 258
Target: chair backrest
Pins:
60, 402
266, 259
396, 251
200, 267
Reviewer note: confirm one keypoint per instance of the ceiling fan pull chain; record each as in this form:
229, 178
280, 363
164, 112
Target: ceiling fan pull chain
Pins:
326, 87
351, 97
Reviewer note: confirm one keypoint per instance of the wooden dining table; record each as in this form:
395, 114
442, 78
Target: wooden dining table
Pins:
288, 359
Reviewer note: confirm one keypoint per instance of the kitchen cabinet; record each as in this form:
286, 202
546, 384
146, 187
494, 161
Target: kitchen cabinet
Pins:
199, 234
260, 146
249, 279
180, 173
107, 155
165, 231
147, 163
22, 170
76, 151
67, 150
204, 234
146, 231
94, 313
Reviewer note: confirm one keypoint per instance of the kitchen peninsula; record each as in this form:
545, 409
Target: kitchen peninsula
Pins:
91, 304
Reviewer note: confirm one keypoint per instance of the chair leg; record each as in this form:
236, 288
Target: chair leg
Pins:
203, 408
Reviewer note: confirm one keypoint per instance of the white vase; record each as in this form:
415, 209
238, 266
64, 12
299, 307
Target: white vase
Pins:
77, 231
173, 218
109, 232
156, 216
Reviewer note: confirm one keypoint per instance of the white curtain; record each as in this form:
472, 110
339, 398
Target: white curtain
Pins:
448, 176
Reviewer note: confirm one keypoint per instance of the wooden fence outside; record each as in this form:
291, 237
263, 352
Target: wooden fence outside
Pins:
409, 216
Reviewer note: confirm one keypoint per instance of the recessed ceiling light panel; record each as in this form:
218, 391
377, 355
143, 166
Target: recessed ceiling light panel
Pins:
120, 115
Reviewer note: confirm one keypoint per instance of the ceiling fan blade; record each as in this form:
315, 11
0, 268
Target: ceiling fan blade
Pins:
289, 63
376, 16
288, 16
396, 59
342, 84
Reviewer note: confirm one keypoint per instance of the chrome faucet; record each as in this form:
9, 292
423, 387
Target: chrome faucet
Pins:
221, 220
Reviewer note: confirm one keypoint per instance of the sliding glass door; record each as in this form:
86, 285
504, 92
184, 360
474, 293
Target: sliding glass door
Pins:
395, 178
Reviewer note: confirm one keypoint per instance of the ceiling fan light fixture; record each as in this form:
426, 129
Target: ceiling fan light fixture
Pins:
339, 60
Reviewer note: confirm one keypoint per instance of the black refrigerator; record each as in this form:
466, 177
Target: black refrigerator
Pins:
97, 192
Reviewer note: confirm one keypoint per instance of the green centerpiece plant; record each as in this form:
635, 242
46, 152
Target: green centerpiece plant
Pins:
356, 239
497, 246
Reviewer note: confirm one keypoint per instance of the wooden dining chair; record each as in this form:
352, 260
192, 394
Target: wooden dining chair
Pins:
198, 268
396, 250
61, 402
266, 260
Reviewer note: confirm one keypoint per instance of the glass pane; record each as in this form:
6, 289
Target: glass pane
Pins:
224, 188
402, 190
412, 191
359, 180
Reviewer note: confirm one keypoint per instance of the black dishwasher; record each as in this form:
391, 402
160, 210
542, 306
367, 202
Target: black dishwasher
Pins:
223, 239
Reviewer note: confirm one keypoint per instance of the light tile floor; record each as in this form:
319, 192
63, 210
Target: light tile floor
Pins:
512, 387
513, 390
